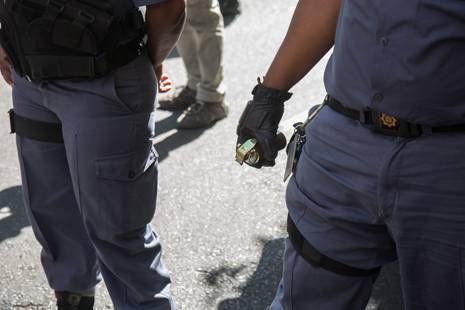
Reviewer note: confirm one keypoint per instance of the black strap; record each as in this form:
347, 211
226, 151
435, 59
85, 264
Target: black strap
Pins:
362, 116
450, 128
371, 118
317, 259
35, 130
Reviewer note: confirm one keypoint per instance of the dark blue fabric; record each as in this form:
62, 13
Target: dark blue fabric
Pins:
147, 2
91, 199
366, 199
404, 58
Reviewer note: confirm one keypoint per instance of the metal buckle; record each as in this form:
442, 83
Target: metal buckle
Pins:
392, 126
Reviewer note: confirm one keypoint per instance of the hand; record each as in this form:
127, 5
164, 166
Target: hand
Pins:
164, 82
260, 120
5, 67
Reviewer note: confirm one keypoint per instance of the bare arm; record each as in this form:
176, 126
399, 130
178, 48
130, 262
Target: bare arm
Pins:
310, 36
5, 67
164, 24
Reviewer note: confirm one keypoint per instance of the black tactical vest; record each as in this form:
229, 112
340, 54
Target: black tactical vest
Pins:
70, 39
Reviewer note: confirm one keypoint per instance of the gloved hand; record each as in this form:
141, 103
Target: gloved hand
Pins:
260, 120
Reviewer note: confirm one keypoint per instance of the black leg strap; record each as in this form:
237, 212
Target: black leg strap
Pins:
317, 259
35, 130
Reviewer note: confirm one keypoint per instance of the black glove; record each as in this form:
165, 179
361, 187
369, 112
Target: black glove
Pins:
260, 120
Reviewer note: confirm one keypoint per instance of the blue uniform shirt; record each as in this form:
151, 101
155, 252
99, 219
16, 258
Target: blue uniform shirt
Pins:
403, 58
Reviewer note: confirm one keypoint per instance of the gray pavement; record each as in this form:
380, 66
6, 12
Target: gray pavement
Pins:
222, 226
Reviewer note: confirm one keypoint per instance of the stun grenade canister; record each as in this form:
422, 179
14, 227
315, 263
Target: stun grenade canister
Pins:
249, 151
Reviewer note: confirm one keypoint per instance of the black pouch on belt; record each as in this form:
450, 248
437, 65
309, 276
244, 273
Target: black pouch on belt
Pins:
297, 141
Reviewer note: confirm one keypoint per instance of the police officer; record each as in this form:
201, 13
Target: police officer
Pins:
83, 113
381, 176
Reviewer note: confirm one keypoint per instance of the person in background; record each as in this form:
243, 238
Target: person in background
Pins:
201, 49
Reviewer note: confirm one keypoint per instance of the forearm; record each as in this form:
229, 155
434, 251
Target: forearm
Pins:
164, 25
310, 36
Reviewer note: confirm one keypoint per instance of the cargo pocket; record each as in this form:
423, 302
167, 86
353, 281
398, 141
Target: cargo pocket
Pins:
128, 189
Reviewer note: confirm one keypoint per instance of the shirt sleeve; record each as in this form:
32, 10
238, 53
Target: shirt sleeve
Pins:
147, 2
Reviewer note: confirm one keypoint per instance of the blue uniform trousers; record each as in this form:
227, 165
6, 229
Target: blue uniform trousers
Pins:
367, 199
90, 200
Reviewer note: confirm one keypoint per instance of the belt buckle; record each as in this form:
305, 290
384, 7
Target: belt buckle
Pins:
392, 126
388, 121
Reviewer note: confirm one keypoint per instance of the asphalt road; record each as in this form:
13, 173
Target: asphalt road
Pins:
222, 225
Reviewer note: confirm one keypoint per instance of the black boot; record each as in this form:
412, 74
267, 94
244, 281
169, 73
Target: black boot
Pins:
73, 301
230, 8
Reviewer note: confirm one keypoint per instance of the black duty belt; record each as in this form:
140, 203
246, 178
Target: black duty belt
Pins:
83, 67
388, 124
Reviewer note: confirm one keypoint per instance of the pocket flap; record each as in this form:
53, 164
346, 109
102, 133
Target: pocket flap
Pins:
126, 167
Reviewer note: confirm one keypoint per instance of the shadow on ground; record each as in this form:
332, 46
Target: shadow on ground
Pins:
387, 293
177, 138
259, 290
12, 214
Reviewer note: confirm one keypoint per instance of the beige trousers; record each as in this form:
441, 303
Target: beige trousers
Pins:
201, 49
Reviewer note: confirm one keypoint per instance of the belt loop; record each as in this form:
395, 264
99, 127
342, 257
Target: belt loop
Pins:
363, 116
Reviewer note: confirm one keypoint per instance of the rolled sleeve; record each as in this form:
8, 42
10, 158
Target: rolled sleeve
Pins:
147, 2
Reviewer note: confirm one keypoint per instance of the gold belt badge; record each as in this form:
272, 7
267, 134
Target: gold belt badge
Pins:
387, 120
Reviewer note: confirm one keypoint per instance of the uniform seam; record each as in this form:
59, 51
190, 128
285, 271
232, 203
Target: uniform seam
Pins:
397, 182
78, 180
462, 275
291, 294
385, 179
381, 179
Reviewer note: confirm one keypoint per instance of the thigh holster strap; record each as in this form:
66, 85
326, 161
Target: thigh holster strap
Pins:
35, 130
317, 259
